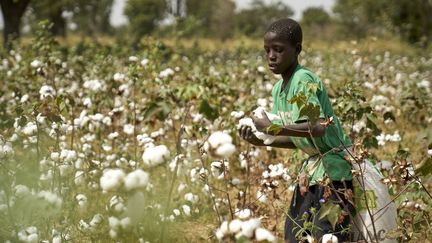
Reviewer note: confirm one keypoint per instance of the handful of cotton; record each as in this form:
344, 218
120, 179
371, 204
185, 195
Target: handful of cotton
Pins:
258, 112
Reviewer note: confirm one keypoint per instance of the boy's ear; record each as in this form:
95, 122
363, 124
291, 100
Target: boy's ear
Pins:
298, 48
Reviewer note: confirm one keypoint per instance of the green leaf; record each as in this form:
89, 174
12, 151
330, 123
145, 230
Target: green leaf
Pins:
158, 108
299, 99
208, 111
312, 87
311, 111
331, 211
370, 142
371, 124
274, 129
425, 168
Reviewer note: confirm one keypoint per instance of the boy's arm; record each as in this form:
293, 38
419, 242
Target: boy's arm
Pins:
303, 129
280, 141
300, 129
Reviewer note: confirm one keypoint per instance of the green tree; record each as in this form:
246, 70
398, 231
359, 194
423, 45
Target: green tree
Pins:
316, 23
410, 19
51, 10
315, 16
199, 13
91, 16
222, 19
255, 20
143, 16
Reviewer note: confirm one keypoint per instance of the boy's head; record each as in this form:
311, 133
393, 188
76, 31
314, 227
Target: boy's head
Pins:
283, 44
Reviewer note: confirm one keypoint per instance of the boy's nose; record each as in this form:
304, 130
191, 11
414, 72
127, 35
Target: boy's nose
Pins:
271, 56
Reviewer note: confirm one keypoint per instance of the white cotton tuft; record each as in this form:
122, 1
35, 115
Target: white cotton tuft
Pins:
220, 144
136, 179
218, 138
329, 238
262, 234
112, 179
156, 155
186, 210
244, 213
235, 226
225, 150
248, 227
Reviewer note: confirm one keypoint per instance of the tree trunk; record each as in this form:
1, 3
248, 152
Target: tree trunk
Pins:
12, 13
59, 24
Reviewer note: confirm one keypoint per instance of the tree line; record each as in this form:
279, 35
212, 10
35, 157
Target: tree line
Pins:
409, 19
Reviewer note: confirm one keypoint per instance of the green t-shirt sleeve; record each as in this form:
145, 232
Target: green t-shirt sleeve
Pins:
311, 88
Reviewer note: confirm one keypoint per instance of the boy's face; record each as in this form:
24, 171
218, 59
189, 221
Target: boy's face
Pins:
281, 54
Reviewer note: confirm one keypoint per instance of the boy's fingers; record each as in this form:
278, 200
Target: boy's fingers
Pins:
249, 133
242, 131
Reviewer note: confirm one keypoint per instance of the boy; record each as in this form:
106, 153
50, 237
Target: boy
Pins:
323, 142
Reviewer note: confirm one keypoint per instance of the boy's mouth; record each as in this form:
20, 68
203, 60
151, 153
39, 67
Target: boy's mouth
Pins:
272, 66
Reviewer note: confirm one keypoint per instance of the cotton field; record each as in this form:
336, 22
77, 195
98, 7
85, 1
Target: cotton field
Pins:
105, 144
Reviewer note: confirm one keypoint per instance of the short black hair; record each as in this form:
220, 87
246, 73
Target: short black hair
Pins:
288, 29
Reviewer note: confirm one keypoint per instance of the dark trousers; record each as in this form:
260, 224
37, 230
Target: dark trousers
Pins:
300, 212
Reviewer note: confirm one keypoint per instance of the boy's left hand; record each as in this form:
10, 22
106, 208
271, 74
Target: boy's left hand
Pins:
261, 122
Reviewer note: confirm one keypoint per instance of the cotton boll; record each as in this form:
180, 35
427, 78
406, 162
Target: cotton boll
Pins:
225, 150
219, 138
21, 190
191, 197
181, 187
153, 156
186, 210
144, 62
82, 201
244, 213
262, 234
136, 179
113, 233
32, 238
329, 238
125, 222
262, 197
113, 222
112, 179
96, 220
248, 227
119, 77
235, 226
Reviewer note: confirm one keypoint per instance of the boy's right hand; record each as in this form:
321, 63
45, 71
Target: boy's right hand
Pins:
246, 133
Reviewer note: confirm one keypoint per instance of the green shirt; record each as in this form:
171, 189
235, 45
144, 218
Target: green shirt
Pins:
339, 168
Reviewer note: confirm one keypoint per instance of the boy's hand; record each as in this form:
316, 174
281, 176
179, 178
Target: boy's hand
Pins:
246, 133
261, 121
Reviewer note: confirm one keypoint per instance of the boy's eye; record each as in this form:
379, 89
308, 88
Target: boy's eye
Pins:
278, 49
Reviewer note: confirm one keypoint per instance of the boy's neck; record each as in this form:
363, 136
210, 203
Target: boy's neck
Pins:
286, 76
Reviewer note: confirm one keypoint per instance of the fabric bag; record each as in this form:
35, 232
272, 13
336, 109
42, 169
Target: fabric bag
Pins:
370, 191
